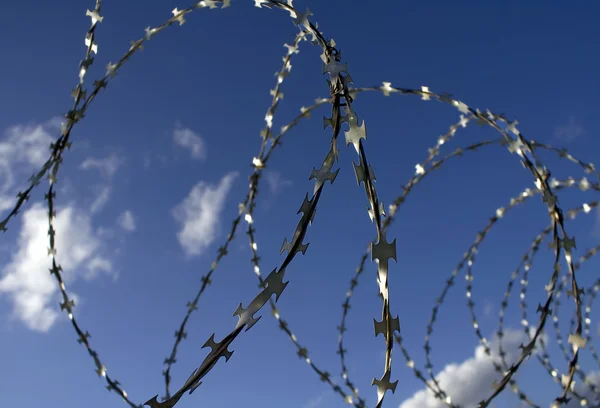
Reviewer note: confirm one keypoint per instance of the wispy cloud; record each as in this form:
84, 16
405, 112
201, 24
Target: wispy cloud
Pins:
101, 199
323, 399
126, 221
275, 181
569, 132
108, 166
199, 214
470, 382
190, 140
585, 390
25, 279
315, 402
148, 159
276, 184
23, 148
488, 308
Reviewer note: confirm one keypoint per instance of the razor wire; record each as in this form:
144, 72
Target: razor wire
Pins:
342, 96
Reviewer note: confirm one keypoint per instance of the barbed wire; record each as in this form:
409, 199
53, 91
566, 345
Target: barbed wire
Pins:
380, 249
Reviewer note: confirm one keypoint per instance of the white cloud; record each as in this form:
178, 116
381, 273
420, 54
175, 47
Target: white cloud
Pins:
126, 221
324, 398
315, 402
105, 233
585, 391
97, 265
276, 181
569, 132
147, 161
186, 138
32, 290
24, 147
488, 308
471, 381
100, 200
108, 166
199, 214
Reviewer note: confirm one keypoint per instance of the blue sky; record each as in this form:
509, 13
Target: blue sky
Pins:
146, 194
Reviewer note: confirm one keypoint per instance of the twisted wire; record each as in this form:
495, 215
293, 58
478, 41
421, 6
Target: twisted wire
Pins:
342, 96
